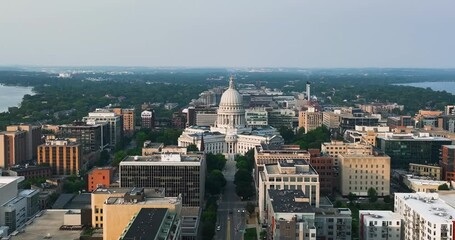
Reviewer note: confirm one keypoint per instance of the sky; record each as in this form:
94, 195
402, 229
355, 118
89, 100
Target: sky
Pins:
228, 33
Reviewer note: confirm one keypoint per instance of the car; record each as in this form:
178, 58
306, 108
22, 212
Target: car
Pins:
218, 228
238, 210
243, 210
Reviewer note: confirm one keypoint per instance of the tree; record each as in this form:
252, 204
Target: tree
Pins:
215, 182
287, 134
443, 187
245, 190
118, 157
192, 148
352, 197
372, 195
250, 207
243, 176
387, 199
213, 161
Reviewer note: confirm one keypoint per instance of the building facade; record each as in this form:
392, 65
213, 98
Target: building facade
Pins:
155, 171
99, 177
113, 120
310, 119
147, 119
129, 119
380, 225
33, 138
92, 138
63, 156
13, 148
432, 171
358, 173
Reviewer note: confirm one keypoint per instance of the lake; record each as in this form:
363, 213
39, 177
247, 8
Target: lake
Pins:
11, 96
435, 86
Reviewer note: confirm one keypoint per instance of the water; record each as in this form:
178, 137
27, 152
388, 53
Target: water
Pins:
435, 86
11, 96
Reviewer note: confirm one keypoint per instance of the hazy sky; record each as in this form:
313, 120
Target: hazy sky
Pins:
228, 33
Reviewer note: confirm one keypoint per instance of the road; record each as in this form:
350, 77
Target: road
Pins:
231, 218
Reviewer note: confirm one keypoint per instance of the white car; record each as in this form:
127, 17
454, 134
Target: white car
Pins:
218, 228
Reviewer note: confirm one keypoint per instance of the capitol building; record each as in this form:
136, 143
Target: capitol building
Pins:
230, 134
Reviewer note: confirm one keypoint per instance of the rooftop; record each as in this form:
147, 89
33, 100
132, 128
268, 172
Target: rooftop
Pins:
429, 206
377, 214
411, 137
165, 158
290, 201
146, 224
47, 226
7, 180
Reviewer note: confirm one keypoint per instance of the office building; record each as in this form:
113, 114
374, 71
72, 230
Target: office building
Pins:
148, 119
335, 148
256, 117
310, 119
63, 156
425, 216
31, 197
13, 150
99, 177
159, 222
118, 211
431, 171
348, 122
265, 154
113, 120
400, 121
190, 116
380, 225
92, 138
358, 173
33, 138
288, 175
153, 171
422, 184
13, 213
8, 188
331, 120
404, 149
128, 117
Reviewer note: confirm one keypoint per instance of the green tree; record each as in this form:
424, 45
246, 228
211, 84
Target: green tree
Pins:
118, 157
245, 190
215, 161
215, 182
352, 197
287, 134
243, 176
250, 207
192, 148
372, 195
443, 187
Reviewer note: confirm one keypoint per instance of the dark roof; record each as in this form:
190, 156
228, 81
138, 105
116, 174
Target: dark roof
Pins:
146, 224
63, 200
284, 201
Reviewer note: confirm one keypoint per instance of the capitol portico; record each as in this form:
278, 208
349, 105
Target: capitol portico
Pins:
229, 134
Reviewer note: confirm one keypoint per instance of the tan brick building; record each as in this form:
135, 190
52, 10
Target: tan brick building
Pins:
63, 156
310, 119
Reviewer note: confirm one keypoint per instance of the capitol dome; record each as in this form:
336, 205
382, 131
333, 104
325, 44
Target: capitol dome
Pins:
231, 97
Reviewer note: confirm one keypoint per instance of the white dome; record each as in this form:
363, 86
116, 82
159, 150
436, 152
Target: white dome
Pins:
231, 97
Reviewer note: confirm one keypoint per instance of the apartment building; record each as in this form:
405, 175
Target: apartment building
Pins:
310, 119
13, 148
93, 138
425, 216
33, 138
62, 155
113, 120
128, 117
380, 225
358, 173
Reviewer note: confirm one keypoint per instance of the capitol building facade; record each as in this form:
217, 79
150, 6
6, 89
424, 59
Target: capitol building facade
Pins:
230, 134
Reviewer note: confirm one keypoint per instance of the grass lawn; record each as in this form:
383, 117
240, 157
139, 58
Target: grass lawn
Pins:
250, 234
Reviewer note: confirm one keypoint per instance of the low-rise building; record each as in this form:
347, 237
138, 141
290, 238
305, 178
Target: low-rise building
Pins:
30, 171
380, 225
422, 184
424, 170
99, 177
333, 223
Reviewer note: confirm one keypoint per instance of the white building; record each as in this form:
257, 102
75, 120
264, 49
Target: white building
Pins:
288, 175
379, 225
256, 117
230, 133
425, 216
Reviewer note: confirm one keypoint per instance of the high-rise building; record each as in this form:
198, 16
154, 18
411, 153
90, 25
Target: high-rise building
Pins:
154, 171
147, 119
359, 173
404, 149
128, 116
92, 138
380, 225
310, 119
288, 175
33, 138
13, 148
113, 120
425, 216
63, 156
335, 148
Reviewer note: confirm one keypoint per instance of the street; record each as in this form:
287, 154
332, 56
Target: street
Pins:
231, 217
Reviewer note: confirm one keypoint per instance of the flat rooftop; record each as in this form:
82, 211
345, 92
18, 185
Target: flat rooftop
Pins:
285, 201
48, 224
146, 224
429, 206
409, 137
164, 158
148, 192
377, 214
